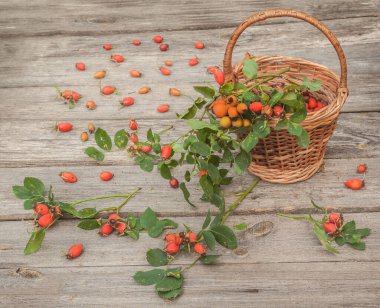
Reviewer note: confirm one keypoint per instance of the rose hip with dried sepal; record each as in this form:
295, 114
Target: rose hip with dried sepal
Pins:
312, 103
168, 63
107, 46
158, 39
199, 248
121, 227
45, 220
117, 58
108, 90
133, 124
171, 237
278, 110
164, 47
106, 176
172, 248
135, 73
174, 92
68, 177
100, 74
173, 182
113, 217
166, 151
336, 218
74, 251
144, 90
211, 69
330, 228
127, 101
165, 71
76, 96
362, 168
41, 209
134, 138
193, 61
192, 237
91, 105
64, 127
106, 230
219, 76
84, 136
146, 148
80, 66
91, 128
354, 184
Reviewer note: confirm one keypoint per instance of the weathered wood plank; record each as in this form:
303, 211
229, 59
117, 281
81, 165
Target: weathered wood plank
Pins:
326, 188
35, 143
96, 18
268, 239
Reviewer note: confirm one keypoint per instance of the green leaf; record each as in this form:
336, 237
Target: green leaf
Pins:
209, 239
363, 232
121, 139
148, 278
156, 230
249, 142
340, 240
156, 257
358, 245
349, 227
35, 241
213, 172
250, 68
197, 124
299, 115
187, 176
249, 97
295, 128
261, 129
200, 102
35, 186
188, 141
281, 124
21, 192
171, 294
303, 140
275, 98
103, 140
206, 185
242, 161
207, 220
168, 284
65, 207
224, 236
89, 224
209, 259
186, 193
227, 88
241, 226
146, 164
87, 212
28, 204
313, 85
322, 237
169, 223
149, 135
165, 172
205, 91
148, 219
133, 234
200, 148
189, 113
94, 153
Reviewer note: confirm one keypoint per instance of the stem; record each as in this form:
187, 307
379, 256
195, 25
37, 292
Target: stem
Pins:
310, 219
105, 197
192, 264
244, 194
165, 130
270, 77
182, 136
127, 199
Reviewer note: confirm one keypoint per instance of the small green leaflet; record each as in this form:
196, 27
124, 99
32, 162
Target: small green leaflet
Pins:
165, 171
242, 161
89, 224
209, 259
34, 185
148, 219
94, 153
170, 294
303, 140
197, 124
186, 193
149, 277
209, 239
227, 88
313, 85
224, 236
121, 139
21, 192
249, 142
250, 68
205, 91
35, 241
189, 113
200, 148
295, 128
156, 257
322, 237
103, 140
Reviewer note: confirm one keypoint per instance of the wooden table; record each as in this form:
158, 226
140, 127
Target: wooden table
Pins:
280, 262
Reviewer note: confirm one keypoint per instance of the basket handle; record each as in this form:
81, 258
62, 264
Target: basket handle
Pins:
227, 61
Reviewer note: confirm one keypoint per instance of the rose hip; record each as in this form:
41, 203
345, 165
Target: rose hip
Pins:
133, 124
211, 69
168, 63
75, 96
202, 173
91, 105
312, 103
127, 101
134, 138
107, 46
361, 168
64, 127
336, 218
41, 209
278, 110
144, 90
105, 230
330, 228
164, 47
199, 248
114, 217
165, 71
84, 136
172, 248
106, 176
136, 42
91, 128
80, 66
268, 110
45, 220
68, 177
135, 73
108, 90
193, 61
74, 251
219, 76
199, 45
163, 108
146, 148
166, 151
174, 92
354, 184
171, 237
100, 74
121, 227
117, 58
192, 237
158, 39
173, 183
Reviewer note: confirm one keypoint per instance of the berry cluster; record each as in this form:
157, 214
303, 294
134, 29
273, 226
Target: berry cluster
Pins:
46, 215
186, 241
335, 222
114, 222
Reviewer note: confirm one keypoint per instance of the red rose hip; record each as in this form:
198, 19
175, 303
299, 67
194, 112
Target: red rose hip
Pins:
133, 124
106, 176
64, 127
158, 39
74, 251
68, 177
174, 182
199, 45
107, 46
45, 220
41, 209
199, 248
105, 230
336, 218
330, 228
172, 248
361, 168
80, 66
166, 151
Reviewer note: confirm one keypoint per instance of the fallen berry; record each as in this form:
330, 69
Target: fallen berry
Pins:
211, 69
80, 66
278, 110
91, 128
68, 177
75, 96
168, 63
100, 74
336, 218
165, 71
136, 42
219, 76
330, 228
41, 209
45, 220
361, 168
107, 46
144, 90
64, 127
74, 251
164, 47
172, 248
166, 151
134, 138
354, 184
66, 94
108, 90
192, 237
312, 103
158, 39
121, 227
133, 124
193, 61
174, 92
199, 248
106, 176
127, 101
202, 173
91, 105
117, 58
84, 136
174, 182
106, 230
199, 45
135, 73
163, 108
146, 148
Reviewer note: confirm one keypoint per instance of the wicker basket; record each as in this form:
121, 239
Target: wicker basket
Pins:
278, 158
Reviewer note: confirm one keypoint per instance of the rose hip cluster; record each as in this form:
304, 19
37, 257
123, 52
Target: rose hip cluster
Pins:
332, 227
312, 104
46, 215
176, 241
114, 222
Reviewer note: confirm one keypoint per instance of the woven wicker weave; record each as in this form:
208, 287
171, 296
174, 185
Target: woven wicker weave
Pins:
278, 158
